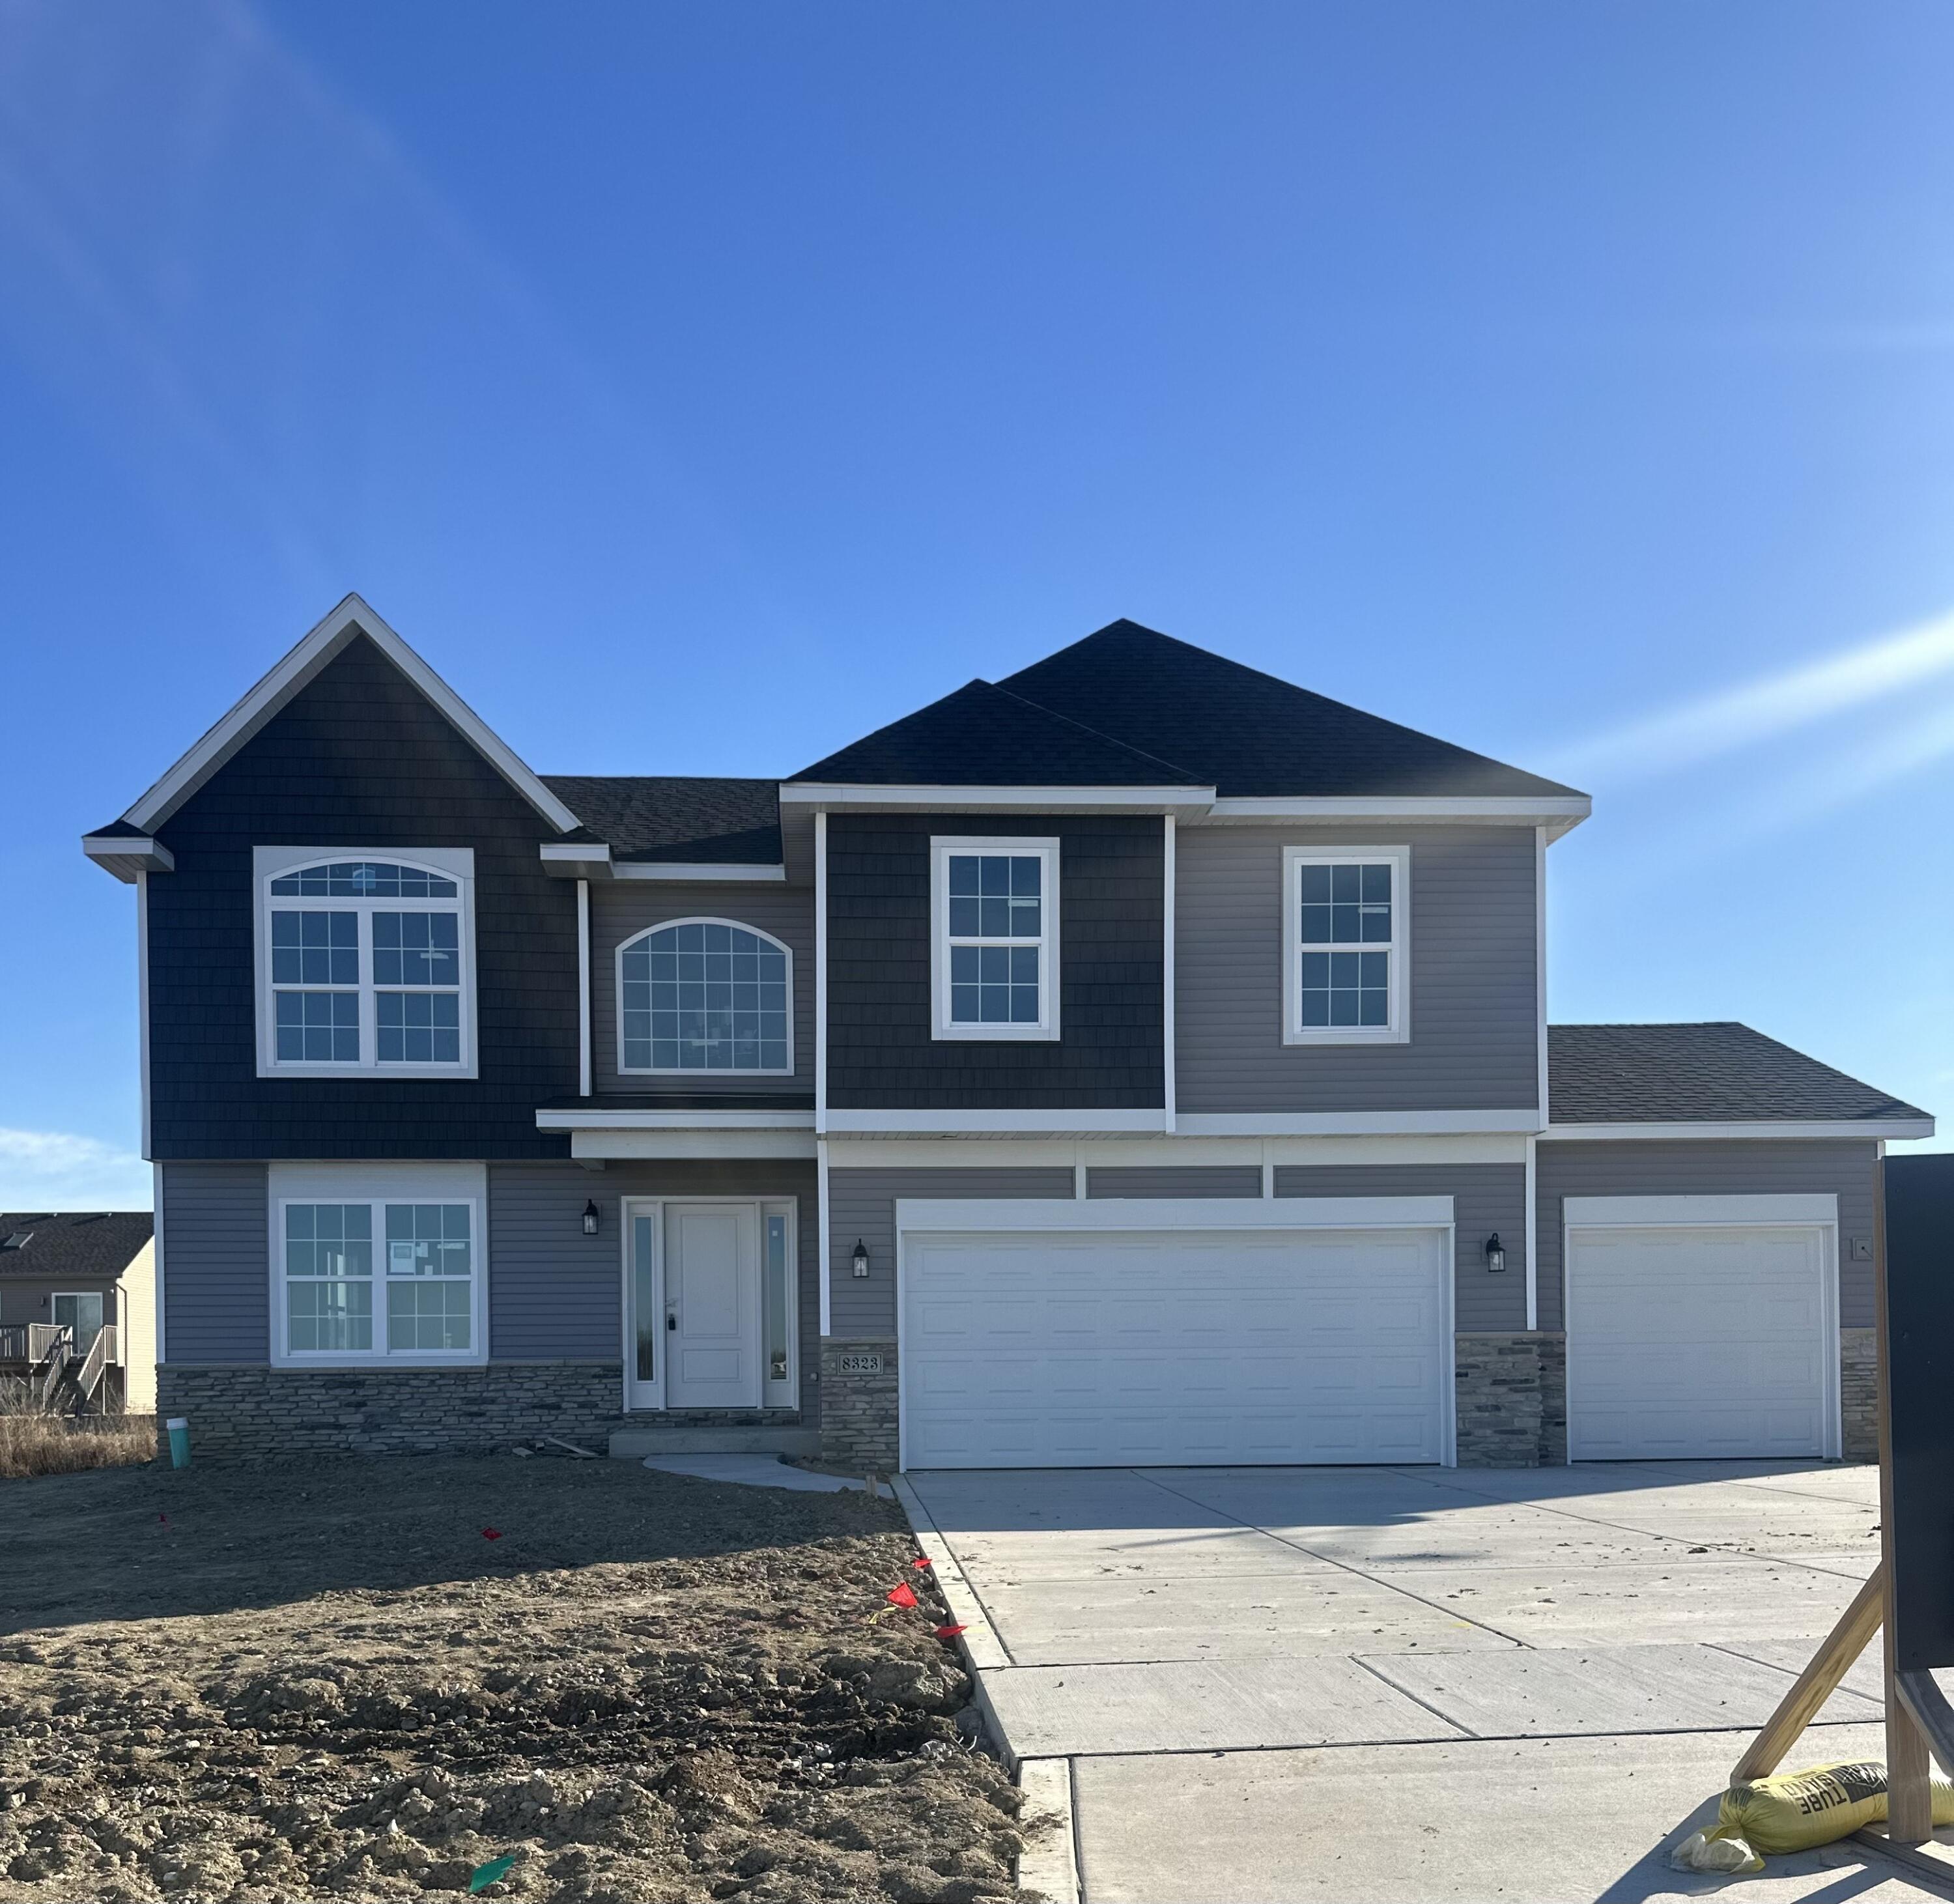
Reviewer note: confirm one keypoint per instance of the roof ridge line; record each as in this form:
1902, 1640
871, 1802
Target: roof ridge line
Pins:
1098, 733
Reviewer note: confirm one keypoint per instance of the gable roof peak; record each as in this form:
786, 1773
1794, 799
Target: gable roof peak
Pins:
353, 619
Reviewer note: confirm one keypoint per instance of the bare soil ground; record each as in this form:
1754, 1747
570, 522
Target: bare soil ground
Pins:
323, 1679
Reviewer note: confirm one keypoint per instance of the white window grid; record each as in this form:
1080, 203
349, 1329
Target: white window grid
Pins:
638, 942
1045, 1028
1395, 947
348, 954
382, 1277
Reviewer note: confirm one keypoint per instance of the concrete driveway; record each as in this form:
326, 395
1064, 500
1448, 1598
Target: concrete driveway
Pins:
1412, 1683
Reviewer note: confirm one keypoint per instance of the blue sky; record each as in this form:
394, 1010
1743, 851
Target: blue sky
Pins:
699, 386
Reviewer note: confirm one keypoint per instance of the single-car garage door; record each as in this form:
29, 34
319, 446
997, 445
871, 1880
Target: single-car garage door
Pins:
1688, 1341
1172, 1346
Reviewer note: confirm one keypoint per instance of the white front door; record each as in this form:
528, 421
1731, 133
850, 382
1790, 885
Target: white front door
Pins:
712, 1306
1173, 1348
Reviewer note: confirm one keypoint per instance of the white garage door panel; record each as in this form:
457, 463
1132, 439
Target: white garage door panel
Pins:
1172, 1348
1698, 1342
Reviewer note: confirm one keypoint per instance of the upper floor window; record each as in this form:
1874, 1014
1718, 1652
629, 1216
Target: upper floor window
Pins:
994, 938
1345, 977
365, 963
705, 994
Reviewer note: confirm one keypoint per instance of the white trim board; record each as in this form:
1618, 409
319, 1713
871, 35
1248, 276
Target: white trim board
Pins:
1166, 1153
1354, 1123
1558, 813
952, 1123
1037, 1215
127, 856
1869, 1130
820, 794
677, 870
622, 1119
600, 1143
322, 645
1696, 1212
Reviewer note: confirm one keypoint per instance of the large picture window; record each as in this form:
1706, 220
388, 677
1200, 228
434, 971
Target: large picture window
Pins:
1346, 946
395, 1276
994, 938
365, 963
704, 995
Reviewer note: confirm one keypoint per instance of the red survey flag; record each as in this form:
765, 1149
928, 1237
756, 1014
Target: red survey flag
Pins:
921, 1561
950, 1632
491, 1533
900, 1594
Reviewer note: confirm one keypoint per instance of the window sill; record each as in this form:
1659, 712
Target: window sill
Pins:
1346, 1035
358, 1071
351, 1365
995, 1034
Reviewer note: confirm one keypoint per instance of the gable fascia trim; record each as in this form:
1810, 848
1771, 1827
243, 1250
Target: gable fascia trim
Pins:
1557, 813
126, 856
300, 666
1872, 1129
820, 795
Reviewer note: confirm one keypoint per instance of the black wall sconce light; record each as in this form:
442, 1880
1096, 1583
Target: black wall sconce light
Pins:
859, 1261
590, 1219
1496, 1255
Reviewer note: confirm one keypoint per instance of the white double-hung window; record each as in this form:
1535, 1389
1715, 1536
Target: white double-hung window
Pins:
993, 937
1346, 946
365, 962
378, 1263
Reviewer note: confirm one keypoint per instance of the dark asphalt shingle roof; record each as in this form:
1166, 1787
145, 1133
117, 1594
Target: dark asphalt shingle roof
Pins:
89, 1245
1248, 734
1718, 1073
659, 818
984, 736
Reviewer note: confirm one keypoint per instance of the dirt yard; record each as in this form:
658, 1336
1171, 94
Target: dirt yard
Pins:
326, 1679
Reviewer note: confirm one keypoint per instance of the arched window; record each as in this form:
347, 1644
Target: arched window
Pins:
705, 994
367, 963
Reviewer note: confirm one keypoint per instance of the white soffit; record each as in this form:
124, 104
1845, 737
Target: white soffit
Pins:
352, 618
1868, 1129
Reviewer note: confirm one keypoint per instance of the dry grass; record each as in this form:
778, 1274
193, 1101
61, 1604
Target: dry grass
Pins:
34, 1443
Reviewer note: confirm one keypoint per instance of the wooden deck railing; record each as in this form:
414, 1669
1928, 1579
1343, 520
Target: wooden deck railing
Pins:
30, 1343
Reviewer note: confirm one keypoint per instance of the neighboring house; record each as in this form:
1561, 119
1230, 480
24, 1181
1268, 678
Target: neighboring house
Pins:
1137, 1059
92, 1272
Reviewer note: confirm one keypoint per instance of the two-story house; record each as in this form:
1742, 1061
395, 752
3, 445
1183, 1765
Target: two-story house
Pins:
1137, 1059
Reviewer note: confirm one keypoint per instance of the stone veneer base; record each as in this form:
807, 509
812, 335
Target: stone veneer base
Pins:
859, 1429
1859, 1393
1511, 1389
258, 1412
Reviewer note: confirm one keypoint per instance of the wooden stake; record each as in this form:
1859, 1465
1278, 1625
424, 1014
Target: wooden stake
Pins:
1909, 1787
1817, 1682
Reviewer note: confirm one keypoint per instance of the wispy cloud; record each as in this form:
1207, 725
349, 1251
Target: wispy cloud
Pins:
56, 1170
1724, 723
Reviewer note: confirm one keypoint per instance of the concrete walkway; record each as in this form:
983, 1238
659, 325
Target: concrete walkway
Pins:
1384, 1684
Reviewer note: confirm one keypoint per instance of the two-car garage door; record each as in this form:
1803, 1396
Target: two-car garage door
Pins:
1166, 1345
1689, 1338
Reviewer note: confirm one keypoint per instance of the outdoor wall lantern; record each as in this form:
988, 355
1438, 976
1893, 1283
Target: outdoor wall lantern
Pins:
590, 1219
1496, 1255
859, 1261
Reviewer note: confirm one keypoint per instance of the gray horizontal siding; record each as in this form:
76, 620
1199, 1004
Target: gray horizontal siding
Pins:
861, 1205
1486, 1198
1176, 1179
1845, 1170
216, 1263
1474, 1004
555, 1294
620, 909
